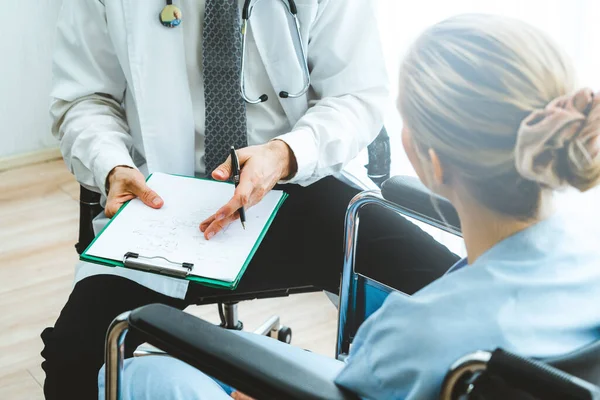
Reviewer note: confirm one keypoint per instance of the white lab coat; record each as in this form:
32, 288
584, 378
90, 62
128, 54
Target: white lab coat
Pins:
116, 52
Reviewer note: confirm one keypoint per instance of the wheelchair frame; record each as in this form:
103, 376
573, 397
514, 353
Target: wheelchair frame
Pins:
350, 278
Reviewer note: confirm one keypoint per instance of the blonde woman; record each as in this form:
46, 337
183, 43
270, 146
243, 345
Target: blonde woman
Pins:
494, 123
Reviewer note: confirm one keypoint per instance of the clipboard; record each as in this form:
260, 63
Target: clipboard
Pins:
173, 265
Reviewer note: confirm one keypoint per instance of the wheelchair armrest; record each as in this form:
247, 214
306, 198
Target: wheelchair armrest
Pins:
535, 378
231, 358
410, 194
582, 363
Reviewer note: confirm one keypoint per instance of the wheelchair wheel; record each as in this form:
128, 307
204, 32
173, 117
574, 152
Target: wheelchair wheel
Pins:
285, 334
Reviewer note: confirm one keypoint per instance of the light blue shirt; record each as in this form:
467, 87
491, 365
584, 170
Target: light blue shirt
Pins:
535, 293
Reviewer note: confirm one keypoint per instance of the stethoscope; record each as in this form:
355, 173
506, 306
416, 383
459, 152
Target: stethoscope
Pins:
171, 17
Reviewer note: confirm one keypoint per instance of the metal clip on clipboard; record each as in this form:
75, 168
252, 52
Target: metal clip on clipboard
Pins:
159, 265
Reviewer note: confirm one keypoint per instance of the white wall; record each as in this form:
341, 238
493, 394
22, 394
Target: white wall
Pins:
573, 24
26, 42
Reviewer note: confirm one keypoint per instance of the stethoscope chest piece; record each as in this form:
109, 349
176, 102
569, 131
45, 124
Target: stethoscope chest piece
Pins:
170, 16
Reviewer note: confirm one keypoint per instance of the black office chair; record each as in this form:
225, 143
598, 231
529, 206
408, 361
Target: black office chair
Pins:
378, 169
266, 374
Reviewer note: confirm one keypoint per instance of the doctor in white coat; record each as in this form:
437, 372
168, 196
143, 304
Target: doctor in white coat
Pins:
129, 99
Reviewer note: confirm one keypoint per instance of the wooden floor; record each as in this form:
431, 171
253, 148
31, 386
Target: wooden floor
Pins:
38, 228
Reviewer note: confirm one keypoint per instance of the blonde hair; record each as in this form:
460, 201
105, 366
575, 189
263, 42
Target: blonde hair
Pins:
467, 85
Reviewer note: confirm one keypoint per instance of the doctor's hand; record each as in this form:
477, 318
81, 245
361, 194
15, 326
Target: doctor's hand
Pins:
124, 184
261, 168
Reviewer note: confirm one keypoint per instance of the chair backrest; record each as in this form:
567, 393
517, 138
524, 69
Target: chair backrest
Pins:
380, 158
89, 208
360, 295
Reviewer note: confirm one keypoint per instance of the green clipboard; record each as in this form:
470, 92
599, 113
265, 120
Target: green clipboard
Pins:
178, 271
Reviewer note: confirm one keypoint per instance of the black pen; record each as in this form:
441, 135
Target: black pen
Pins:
235, 163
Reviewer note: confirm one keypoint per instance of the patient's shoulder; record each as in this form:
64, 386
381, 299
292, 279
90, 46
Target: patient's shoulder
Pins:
405, 348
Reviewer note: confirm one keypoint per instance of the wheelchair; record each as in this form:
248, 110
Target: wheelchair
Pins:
265, 374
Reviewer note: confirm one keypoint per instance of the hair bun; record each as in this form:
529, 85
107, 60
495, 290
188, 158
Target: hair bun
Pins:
560, 145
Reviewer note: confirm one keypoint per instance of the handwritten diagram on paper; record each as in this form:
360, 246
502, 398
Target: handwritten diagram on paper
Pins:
173, 232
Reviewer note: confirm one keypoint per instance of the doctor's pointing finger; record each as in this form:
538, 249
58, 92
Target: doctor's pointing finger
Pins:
261, 168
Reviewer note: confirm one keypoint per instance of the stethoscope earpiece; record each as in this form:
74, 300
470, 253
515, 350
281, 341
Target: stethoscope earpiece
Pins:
263, 98
284, 95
